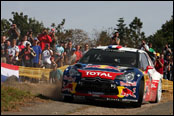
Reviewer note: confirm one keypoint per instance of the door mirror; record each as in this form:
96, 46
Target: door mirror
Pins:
148, 67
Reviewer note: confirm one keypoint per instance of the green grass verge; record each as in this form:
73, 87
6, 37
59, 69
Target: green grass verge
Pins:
11, 97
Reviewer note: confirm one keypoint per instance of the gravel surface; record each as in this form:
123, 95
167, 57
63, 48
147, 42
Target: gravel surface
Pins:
82, 107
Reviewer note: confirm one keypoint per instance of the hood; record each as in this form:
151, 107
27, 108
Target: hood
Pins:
103, 71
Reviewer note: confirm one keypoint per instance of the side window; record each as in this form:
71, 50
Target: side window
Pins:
143, 61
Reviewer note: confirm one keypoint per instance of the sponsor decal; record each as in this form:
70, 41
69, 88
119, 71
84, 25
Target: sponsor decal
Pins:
69, 78
128, 84
102, 67
70, 87
125, 92
101, 74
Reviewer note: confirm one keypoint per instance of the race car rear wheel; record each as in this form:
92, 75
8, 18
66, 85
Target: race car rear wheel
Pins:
159, 92
141, 93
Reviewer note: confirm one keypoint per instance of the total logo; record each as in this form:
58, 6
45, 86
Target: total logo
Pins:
101, 74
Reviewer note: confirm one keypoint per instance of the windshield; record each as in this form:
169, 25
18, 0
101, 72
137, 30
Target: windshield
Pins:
110, 57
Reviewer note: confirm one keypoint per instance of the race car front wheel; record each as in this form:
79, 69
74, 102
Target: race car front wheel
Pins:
159, 92
141, 93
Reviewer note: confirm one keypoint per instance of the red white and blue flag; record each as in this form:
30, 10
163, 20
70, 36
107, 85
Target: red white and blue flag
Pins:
8, 70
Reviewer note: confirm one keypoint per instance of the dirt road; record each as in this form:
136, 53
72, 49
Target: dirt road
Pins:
82, 107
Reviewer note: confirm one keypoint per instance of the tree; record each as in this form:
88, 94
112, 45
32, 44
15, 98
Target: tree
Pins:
5, 26
135, 32
24, 24
162, 36
104, 38
122, 31
79, 37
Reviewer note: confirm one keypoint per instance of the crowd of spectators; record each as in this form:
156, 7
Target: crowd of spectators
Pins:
41, 51
163, 61
46, 52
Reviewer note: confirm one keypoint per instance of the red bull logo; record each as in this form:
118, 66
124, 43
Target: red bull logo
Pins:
127, 92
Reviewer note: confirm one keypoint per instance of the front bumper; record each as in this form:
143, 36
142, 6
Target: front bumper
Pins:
101, 88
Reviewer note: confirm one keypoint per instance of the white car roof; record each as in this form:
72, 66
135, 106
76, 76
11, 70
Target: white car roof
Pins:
121, 48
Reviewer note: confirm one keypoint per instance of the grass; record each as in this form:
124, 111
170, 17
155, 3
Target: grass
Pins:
12, 97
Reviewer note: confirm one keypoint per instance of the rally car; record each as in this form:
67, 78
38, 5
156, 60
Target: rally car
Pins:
113, 73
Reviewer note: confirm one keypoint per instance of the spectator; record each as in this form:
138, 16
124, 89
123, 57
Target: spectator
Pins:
159, 63
168, 64
27, 55
65, 46
8, 45
68, 51
25, 41
59, 54
72, 58
115, 39
52, 35
46, 55
78, 53
86, 49
3, 47
151, 52
30, 36
21, 45
167, 51
52, 62
13, 52
44, 39
55, 74
38, 51
144, 46
13, 33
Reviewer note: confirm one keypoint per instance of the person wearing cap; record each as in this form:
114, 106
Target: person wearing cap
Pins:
52, 35
55, 75
44, 39
37, 59
115, 39
27, 55
159, 63
13, 32
72, 58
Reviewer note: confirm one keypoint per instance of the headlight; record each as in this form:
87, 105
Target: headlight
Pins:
73, 72
128, 76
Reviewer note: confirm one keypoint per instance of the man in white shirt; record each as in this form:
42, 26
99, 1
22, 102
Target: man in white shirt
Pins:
46, 56
13, 52
144, 46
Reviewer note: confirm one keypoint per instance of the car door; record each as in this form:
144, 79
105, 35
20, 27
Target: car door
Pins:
147, 76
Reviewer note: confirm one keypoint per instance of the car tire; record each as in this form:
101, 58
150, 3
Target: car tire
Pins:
141, 93
68, 98
159, 92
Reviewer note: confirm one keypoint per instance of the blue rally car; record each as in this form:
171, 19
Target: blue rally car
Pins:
113, 73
